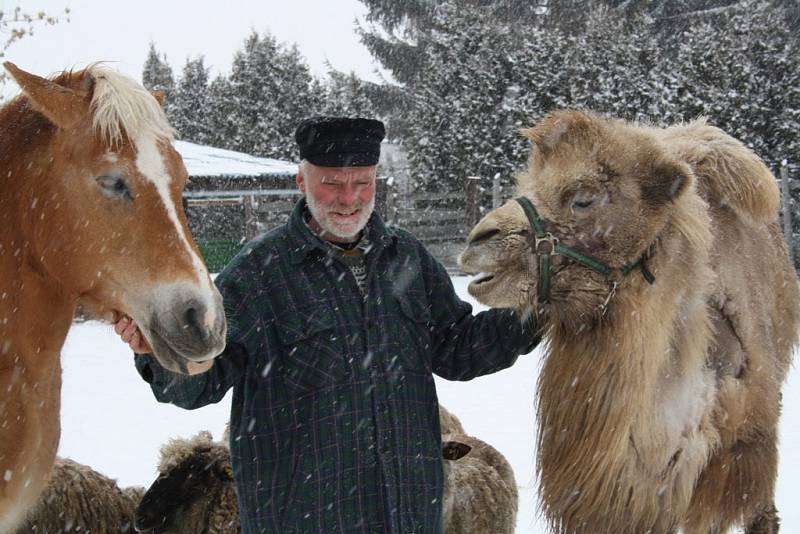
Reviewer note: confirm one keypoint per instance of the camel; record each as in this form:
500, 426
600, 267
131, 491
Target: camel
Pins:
654, 263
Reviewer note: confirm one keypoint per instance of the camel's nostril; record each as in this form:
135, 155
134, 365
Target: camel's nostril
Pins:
484, 236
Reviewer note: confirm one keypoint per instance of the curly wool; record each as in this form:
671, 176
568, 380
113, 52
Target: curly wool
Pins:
79, 499
480, 493
217, 512
448, 422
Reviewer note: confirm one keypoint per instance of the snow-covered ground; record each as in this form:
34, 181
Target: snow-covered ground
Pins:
111, 421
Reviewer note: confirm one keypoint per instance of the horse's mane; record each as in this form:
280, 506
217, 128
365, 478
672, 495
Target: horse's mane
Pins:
120, 105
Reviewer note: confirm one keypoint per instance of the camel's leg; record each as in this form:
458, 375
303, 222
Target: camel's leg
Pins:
737, 488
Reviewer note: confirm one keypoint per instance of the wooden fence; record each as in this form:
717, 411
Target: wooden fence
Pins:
222, 221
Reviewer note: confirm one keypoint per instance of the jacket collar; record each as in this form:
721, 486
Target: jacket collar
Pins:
302, 241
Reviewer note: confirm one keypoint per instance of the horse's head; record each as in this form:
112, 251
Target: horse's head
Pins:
102, 208
600, 193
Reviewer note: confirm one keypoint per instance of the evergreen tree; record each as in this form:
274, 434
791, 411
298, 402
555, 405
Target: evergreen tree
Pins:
188, 113
273, 91
221, 115
157, 74
348, 95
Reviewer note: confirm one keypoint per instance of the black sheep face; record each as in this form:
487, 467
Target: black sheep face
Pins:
176, 490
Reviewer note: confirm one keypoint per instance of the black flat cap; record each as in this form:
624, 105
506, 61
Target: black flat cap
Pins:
340, 141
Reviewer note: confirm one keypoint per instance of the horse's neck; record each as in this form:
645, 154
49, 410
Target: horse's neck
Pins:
34, 319
35, 314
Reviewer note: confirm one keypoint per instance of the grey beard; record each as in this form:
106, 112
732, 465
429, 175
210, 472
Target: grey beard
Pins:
328, 228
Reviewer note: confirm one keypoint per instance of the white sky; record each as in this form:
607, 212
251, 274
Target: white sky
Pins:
119, 31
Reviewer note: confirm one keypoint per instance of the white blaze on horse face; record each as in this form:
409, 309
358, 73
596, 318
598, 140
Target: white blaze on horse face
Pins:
150, 164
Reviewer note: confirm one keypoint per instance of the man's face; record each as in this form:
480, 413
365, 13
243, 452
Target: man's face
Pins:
341, 199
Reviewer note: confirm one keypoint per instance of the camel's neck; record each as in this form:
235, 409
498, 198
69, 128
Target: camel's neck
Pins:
612, 398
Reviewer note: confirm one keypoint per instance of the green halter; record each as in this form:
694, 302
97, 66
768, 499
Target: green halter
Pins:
545, 245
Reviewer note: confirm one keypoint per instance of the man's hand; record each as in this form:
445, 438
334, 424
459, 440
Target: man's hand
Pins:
130, 334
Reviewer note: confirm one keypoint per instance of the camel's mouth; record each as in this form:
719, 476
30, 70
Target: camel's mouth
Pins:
482, 278
480, 286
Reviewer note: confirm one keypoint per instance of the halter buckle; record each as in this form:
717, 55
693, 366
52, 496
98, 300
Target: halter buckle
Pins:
545, 244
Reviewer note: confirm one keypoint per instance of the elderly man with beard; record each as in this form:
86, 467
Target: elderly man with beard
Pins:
337, 324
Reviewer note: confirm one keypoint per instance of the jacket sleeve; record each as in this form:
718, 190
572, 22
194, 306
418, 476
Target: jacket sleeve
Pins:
465, 345
199, 390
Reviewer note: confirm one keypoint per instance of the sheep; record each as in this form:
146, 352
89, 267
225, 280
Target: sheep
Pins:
79, 499
480, 493
448, 422
194, 492
195, 486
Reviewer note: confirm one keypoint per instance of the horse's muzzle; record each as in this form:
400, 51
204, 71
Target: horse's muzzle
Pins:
190, 330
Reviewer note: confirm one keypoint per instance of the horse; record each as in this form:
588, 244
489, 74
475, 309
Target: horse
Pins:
90, 215
656, 268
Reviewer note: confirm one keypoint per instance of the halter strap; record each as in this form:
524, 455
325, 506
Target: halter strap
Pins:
545, 245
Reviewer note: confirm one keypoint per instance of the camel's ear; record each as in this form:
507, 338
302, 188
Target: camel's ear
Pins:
666, 181
454, 450
61, 105
560, 127
536, 140
160, 95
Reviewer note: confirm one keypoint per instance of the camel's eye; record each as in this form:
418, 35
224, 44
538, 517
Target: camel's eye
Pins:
582, 202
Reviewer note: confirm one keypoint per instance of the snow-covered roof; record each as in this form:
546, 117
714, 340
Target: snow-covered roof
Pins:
201, 160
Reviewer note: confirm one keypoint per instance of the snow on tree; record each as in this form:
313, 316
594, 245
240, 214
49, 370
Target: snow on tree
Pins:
190, 101
477, 77
220, 114
157, 74
273, 91
347, 95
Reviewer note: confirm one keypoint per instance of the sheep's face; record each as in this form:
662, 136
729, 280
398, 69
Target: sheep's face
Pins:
451, 451
166, 505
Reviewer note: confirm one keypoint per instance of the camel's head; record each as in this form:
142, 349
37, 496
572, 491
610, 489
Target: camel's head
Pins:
603, 189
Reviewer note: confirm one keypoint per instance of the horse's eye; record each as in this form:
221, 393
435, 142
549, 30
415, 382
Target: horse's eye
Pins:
114, 187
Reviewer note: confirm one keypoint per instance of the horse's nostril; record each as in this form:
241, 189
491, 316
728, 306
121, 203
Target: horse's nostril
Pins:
193, 322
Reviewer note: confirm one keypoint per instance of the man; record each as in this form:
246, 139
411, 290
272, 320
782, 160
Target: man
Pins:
336, 324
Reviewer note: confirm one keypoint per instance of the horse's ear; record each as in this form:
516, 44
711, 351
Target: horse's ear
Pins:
666, 181
61, 105
160, 95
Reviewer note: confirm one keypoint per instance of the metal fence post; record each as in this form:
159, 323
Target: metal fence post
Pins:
472, 211
496, 200
250, 217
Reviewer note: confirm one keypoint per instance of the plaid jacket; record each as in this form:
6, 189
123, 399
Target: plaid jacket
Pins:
334, 418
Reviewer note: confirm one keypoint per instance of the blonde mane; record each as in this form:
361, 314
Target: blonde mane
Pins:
120, 105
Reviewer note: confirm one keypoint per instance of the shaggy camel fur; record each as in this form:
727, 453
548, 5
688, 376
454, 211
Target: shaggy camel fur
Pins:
658, 403
79, 499
480, 493
194, 492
